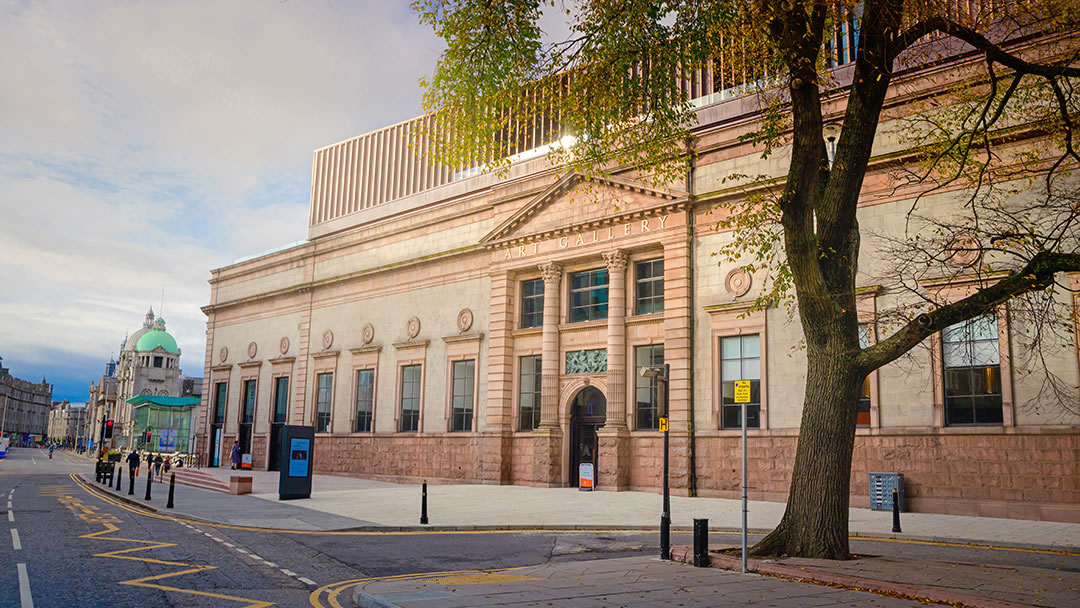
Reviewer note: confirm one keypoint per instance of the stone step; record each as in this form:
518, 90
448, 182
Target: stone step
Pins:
199, 479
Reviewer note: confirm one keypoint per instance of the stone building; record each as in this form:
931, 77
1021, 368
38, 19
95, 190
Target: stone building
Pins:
476, 328
67, 423
101, 404
25, 414
149, 364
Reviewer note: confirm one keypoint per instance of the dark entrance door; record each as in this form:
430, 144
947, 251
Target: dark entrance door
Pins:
276, 432
587, 414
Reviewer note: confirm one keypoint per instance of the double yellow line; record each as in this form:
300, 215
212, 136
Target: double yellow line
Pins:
333, 590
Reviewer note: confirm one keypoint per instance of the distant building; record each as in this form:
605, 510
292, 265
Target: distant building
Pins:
149, 365
25, 414
67, 423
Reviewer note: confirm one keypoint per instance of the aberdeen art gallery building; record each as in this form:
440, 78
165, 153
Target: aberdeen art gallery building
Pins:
468, 327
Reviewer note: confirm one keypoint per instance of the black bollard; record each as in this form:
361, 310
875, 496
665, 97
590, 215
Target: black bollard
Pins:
131, 482
701, 543
665, 536
423, 504
172, 487
149, 478
896, 512
119, 472
97, 471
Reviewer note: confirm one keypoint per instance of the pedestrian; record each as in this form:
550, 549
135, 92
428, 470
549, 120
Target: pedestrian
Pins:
133, 463
168, 463
236, 455
157, 465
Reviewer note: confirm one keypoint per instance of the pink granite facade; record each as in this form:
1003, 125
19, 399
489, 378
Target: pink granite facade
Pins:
441, 330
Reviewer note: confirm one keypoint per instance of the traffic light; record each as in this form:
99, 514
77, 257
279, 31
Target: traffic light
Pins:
108, 429
148, 435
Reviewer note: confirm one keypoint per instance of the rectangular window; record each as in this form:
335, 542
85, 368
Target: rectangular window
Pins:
647, 397
972, 372
365, 400
159, 361
649, 287
462, 404
588, 295
410, 398
529, 393
740, 360
532, 303
281, 399
325, 387
221, 391
248, 415
863, 406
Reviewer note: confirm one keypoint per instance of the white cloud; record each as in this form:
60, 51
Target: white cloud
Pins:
145, 143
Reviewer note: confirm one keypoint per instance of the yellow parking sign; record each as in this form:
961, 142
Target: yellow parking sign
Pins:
742, 391
663, 424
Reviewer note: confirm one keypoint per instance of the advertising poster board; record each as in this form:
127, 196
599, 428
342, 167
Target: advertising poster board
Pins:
586, 478
297, 450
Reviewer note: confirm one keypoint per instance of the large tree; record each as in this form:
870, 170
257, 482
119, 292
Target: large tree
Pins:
1003, 133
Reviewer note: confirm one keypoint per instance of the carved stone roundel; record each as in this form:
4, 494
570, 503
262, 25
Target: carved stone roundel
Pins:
284, 345
327, 339
737, 282
965, 250
223, 354
252, 349
368, 333
412, 327
464, 319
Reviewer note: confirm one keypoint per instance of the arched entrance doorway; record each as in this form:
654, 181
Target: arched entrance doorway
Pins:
587, 414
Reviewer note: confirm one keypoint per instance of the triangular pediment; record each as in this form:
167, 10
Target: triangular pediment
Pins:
576, 200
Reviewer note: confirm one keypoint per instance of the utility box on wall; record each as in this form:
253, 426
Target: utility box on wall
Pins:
881, 491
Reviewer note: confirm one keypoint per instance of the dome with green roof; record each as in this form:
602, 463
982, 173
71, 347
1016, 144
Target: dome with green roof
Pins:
157, 337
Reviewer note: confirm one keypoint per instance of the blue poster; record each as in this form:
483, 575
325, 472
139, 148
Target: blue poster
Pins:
299, 454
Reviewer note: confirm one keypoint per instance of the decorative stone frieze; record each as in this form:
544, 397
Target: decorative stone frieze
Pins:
252, 350
412, 327
327, 339
592, 361
283, 346
551, 272
368, 333
964, 250
223, 354
615, 260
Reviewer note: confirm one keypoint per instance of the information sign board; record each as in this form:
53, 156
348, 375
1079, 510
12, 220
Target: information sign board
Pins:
586, 477
742, 391
663, 424
297, 458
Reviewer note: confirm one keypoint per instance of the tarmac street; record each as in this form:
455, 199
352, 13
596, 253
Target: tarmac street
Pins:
74, 542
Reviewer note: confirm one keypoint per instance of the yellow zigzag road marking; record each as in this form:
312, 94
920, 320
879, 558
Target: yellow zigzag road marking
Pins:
109, 521
333, 590
911, 541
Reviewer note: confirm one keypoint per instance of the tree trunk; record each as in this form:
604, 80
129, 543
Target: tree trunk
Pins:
815, 523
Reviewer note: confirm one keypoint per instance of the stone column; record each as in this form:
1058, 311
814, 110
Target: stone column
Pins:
547, 438
614, 436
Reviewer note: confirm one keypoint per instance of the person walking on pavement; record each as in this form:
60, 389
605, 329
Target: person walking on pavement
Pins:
51, 447
157, 465
133, 463
236, 455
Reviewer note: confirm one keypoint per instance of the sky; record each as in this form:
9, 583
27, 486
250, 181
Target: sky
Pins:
143, 144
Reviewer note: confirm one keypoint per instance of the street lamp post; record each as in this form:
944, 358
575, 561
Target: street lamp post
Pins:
662, 374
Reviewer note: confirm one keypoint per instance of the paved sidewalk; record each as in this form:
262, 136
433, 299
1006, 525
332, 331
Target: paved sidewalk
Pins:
398, 505
629, 582
953, 583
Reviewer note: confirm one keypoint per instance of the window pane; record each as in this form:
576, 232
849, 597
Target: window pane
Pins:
957, 382
988, 409
751, 369
729, 348
731, 370
985, 353
956, 354
750, 347
864, 335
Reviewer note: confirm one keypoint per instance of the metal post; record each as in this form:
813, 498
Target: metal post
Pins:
131, 482
701, 543
119, 478
744, 488
665, 515
172, 487
896, 512
423, 504
149, 478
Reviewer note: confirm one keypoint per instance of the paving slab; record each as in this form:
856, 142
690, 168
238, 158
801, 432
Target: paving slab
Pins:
569, 584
